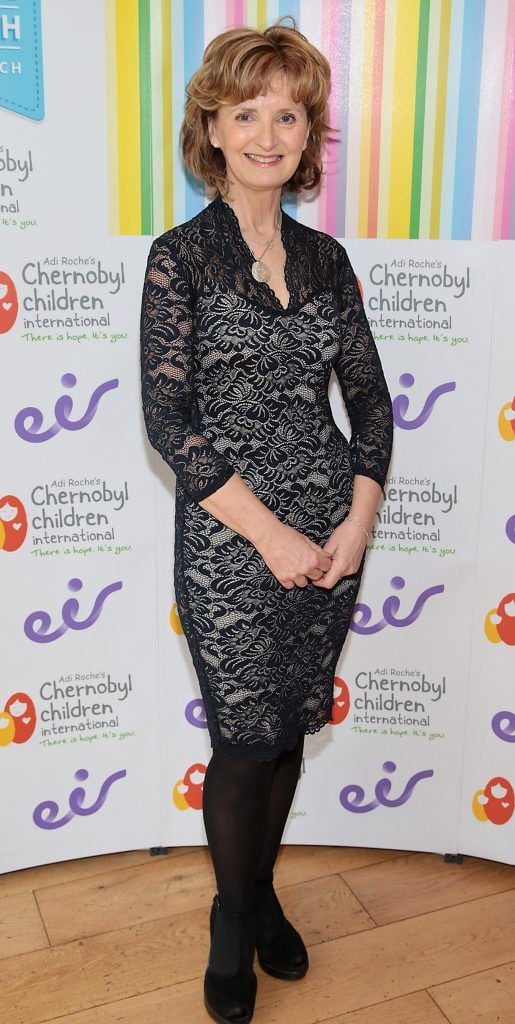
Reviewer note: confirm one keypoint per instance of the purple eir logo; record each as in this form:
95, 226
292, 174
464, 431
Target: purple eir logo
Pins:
510, 529
503, 725
40, 633
28, 421
195, 713
363, 613
351, 797
45, 814
400, 404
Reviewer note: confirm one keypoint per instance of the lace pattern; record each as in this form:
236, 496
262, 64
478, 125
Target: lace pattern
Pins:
234, 382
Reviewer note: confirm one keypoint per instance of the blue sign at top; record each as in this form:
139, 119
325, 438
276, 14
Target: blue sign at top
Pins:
21, 61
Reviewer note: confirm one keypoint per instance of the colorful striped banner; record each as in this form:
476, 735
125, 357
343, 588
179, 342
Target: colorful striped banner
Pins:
423, 97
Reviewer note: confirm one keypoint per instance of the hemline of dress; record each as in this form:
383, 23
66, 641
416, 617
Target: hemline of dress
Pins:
270, 753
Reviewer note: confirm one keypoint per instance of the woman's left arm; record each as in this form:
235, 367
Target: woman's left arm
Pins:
369, 405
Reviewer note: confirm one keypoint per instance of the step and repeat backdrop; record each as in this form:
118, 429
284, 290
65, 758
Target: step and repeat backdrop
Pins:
103, 737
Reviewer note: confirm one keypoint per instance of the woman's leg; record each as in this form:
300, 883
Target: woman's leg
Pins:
282, 791
245, 806
281, 950
235, 803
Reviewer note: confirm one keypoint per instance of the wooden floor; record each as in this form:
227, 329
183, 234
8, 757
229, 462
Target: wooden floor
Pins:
394, 938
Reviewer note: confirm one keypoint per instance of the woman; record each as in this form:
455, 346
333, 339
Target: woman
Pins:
245, 313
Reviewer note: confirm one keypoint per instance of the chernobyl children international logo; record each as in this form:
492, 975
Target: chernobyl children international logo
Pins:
21, 59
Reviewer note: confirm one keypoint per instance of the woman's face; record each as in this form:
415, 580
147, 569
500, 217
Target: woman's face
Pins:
262, 139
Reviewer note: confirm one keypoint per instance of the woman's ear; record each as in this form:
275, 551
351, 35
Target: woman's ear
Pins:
211, 130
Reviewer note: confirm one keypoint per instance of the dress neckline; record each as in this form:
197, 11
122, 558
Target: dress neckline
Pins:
231, 219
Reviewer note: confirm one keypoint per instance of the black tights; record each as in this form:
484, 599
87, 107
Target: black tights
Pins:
245, 806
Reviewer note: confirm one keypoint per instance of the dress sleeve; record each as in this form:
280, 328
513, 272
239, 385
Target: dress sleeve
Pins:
167, 378
363, 383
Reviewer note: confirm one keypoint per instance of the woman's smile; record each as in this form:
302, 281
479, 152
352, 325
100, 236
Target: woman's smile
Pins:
264, 161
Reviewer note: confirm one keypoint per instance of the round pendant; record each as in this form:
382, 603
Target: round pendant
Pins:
260, 271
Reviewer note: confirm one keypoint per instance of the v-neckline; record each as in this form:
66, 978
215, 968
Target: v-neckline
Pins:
233, 219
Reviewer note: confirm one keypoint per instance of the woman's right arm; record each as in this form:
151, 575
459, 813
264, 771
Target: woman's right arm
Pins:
166, 355
167, 396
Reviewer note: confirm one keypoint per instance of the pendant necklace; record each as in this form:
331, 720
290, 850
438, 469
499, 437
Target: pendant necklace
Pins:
261, 271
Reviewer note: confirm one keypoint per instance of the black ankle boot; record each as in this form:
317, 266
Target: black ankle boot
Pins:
230, 982
280, 949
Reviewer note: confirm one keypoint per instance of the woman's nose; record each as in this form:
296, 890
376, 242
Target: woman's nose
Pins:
266, 134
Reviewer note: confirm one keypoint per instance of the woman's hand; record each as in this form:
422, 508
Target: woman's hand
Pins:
292, 557
346, 546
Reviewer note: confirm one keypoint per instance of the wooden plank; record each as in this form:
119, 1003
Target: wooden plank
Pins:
346, 974
184, 1003
297, 863
385, 963
424, 882
323, 909
89, 972
175, 1004
21, 928
485, 998
418, 1008
28, 879
148, 892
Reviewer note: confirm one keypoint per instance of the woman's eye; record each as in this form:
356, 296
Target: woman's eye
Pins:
285, 118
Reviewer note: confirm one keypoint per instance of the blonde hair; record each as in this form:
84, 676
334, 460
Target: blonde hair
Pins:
238, 65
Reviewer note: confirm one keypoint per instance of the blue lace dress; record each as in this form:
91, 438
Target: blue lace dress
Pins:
234, 382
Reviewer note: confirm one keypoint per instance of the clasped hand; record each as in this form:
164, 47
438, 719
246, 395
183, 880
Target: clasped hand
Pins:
294, 558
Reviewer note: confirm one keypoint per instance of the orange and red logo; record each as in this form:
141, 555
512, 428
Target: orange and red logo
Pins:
187, 792
341, 702
500, 622
8, 302
174, 620
13, 523
17, 720
494, 803
506, 421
